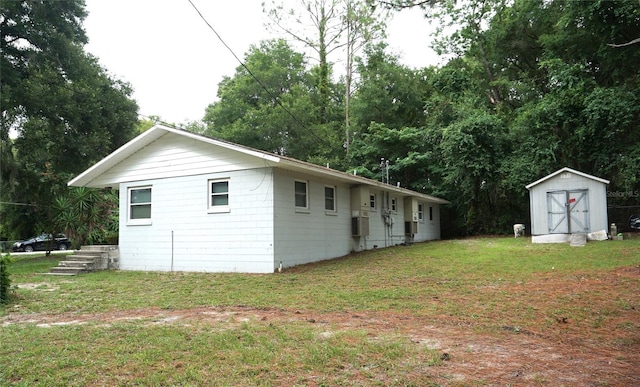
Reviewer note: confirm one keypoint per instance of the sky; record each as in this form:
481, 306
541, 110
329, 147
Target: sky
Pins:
174, 61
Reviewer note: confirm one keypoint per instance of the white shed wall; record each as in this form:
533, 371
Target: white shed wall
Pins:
568, 181
184, 236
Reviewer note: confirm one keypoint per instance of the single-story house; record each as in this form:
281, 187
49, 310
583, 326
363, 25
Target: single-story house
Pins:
567, 202
189, 202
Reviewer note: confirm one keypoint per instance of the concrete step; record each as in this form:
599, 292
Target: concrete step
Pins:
60, 274
82, 257
98, 248
67, 270
578, 240
85, 260
84, 264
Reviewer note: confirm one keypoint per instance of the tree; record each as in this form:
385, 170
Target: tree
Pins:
412, 154
472, 151
87, 215
64, 109
269, 103
343, 26
324, 16
389, 92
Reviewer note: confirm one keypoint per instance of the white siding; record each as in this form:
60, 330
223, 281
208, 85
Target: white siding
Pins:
568, 181
173, 156
382, 234
184, 236
304, 236
313, 235
429, 229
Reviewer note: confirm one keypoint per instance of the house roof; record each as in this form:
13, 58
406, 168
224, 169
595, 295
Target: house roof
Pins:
127, 150
567, 169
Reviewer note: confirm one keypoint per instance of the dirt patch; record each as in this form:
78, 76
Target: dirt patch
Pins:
44, 287
581, 331
511, 355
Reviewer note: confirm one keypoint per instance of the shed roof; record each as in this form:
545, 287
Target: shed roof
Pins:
86, 178
566, 169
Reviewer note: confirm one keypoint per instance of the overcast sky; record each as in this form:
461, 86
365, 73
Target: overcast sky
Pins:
174, 62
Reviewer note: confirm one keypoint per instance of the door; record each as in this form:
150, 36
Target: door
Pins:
568, 211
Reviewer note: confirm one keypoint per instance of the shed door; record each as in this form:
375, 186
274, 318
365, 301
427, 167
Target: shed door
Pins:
568, 211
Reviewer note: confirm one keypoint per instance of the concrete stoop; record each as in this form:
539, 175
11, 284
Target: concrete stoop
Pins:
88, 259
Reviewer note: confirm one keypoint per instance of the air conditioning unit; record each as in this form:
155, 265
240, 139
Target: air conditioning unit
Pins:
364, 213
359, 226
410, 228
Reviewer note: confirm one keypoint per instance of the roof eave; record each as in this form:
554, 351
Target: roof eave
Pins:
128, 149
566, 169
355, 179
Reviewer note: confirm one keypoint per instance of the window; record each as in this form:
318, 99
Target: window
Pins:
394, 204
330, 198
140, 205
301, 194
430, 213
372, 201
420, 212
219, 195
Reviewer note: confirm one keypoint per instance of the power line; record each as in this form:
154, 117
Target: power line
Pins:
274, 97
19, 204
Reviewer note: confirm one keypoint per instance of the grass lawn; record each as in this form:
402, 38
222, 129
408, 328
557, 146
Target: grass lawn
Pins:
469, 312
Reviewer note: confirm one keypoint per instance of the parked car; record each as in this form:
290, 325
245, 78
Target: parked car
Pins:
43, 242
634, 222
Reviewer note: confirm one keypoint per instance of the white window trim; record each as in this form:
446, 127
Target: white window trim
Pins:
420, 212
218, 209
375, 202
394, 205
304, 209
138, 222
335, 200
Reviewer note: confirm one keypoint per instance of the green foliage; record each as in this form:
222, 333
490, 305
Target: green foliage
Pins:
388, 93
277, 114
5, 280
66, 110
530, 86
87, 215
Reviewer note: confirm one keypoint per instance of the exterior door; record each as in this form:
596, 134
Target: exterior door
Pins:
568, 211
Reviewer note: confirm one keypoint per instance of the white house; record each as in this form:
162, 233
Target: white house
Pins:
567, 202
193, 203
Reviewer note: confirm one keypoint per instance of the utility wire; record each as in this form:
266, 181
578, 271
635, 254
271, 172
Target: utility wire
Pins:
274, 97
19, 204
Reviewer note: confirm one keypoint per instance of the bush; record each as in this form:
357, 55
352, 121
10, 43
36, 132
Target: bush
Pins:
5, 281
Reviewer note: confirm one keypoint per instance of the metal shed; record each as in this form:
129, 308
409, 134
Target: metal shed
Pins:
567, 202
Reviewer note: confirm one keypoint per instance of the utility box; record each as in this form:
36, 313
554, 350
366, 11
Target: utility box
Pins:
411, 209
360, 211
360, 201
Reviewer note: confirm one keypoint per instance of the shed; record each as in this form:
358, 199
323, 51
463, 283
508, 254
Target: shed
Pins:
189, 202
567, 202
